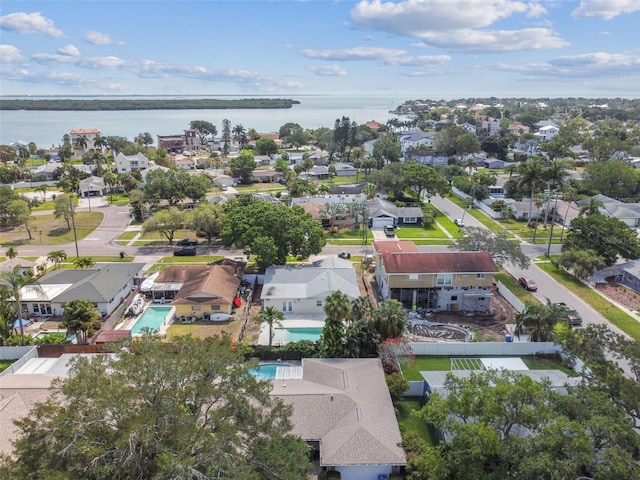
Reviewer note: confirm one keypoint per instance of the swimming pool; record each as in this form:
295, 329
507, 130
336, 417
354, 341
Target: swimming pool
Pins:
271, 371
303, 333
153, 318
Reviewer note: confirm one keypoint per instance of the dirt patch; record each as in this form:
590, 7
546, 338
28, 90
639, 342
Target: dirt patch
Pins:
620, 294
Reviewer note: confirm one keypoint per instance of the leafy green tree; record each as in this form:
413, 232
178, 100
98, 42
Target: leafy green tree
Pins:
424, 179
206, 218
186, 410
144, 139
386, 150
11, 282
166, 222
271, 316
496, 147
12, 252
581, 263
608, 237
204, 130
293, 134
63, 208
57, 257
539, 320
271, 232
613, 178
18, 214
226, 136
502, 249
243, 166
266, 146
81, 318
83, 262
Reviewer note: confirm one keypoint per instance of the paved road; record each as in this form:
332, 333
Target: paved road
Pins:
547, 286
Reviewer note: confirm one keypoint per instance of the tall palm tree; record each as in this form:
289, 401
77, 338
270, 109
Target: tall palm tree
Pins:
271, 316
81, 142
83, 262
511, 169
554, 174
12, 252
591, 208
14, 280
530, 177
569, 196
337, 306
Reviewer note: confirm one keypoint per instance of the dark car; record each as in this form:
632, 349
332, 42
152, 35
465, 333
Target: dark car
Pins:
574, 317
187, 242
389, 231
528, 284
185, 252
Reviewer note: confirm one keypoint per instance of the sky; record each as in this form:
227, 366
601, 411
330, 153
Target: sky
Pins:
429, 49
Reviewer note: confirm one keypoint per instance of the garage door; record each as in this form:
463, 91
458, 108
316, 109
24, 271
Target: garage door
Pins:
381, 222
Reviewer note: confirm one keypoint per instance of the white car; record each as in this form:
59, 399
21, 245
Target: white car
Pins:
459, 222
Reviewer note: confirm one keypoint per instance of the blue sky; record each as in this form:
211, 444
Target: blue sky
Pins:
422, 48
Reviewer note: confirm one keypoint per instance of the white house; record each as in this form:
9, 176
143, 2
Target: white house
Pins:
92, 187
547, 133
105, 285
131, 163
302, 289
415, 139
89, 135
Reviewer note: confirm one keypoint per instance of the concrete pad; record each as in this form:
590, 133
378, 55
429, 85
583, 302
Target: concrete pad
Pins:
504, 363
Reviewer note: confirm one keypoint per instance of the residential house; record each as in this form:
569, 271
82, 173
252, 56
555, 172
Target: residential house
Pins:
520, 210
90, 135
349, 189
628, 213
26, 266
316, 173
342, 408
493, 163
188, 141
415, 139
368, 147
518, 128
469, 127
184, 162
547, 133
92, 187
105, 285
382, 213
200, 291
377, 128
302, 289
152, 168
131, 163
448, 281
45, 172
319, 157
262, 160
490, 125
266, 176
425, 157
345, 170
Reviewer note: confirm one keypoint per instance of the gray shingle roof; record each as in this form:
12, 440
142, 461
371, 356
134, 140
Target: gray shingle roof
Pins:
344, 404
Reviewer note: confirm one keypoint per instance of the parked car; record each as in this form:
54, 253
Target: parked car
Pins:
389, 231
459, 222
185, 252
528, 284
187, 242
574, 317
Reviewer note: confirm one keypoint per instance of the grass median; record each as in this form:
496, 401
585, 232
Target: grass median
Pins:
621, 319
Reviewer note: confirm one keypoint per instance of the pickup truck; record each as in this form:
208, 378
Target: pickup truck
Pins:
574, 317
389, 231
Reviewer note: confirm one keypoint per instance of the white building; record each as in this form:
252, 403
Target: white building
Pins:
131, 163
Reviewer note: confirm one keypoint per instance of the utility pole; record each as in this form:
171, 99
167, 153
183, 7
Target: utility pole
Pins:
555, 209
73, 222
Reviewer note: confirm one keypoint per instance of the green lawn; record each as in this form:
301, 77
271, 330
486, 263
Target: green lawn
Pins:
512, 284
51, 231
420, 232
491, 224
4, 364
348, 233
608, 310
128, 235
117, 199
408, 423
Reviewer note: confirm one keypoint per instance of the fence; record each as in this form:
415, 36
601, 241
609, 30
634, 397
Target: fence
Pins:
509, 296
484, 348
21, 354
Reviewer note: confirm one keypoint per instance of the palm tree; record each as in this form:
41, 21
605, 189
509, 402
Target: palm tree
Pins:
530, 178
370, 190
554, 174
12, 252
238, 131
57, 257
337, 306
569, 196
80, 143
270, 315
390, 319
591, 208
14, 280
539, 319
511, 169
83, 262
42, 189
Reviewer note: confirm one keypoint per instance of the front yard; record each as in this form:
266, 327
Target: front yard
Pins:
51, 231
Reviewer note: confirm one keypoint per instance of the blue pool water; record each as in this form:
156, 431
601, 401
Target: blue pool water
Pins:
151, 318
303, 333
267, 371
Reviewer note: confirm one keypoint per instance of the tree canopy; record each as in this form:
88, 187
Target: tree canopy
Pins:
271, 232
502, 249
190, 409
242, 166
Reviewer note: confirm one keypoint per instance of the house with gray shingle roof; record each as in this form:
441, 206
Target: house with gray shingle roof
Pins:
302, 289
629, 213
382, 212
105, 285
343, 409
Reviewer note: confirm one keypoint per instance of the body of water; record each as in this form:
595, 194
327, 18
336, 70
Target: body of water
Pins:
46, 128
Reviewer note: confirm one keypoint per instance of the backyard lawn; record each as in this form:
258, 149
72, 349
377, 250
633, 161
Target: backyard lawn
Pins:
409, 423
51, 231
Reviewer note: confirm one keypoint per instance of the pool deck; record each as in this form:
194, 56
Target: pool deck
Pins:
280, 330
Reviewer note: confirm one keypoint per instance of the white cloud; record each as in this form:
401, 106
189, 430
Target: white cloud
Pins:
98, 38
353, 54
496, 41
420, 60
9, 54
416, 17
327, 70
606, 9
536, 10
86, 62
69, 50
22, 22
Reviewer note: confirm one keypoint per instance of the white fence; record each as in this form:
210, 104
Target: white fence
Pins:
484, 348
21, 354
509, 296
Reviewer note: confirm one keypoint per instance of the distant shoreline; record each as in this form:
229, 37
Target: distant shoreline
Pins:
76, 104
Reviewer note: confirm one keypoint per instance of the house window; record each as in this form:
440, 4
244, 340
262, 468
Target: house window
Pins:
318, 303
444, 279
287, 306
195, 307
413, 276
480, 276
410, 219
36, 309
454, 298
215, 308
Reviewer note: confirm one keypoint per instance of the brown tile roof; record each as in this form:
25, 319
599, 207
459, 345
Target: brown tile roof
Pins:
85, 131
210, 284
446, 262
398, 246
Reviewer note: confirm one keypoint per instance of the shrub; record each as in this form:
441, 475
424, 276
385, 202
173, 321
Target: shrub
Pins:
333, 475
